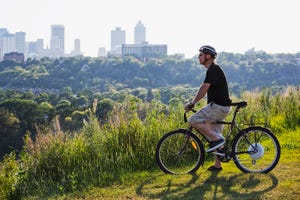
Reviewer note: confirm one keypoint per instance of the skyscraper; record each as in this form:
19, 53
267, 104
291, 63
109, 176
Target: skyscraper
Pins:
77, 45
3, 32
11, 42
20, 42
8, 43
40, 44
139, 33
118, 37
101, 52
77, 49
57, 42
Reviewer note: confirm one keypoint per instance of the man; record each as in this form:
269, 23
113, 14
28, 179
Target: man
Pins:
217, 108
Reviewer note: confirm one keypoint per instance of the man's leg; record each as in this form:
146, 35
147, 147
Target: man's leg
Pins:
217, 163
206, 129
212, 131
215, 139
200, 121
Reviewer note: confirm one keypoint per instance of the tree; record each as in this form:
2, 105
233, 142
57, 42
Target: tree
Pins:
63, 108
46, 113
8, 122
103, 108
26, 111
80, 102
10, 135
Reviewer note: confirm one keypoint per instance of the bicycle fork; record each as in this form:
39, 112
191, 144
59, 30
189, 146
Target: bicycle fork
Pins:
187, 138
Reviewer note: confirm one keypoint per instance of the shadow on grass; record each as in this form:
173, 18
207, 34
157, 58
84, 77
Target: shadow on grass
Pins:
162, 190
216, 186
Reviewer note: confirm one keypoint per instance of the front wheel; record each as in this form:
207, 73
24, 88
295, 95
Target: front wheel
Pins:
179, 152
256, 149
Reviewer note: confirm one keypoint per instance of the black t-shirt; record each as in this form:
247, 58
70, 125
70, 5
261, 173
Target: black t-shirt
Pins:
218, 90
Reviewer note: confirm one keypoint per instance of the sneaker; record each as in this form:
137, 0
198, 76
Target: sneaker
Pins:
214, 169
215, 144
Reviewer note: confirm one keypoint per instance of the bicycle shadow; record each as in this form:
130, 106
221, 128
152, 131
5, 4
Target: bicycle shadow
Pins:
241, 186
164, 190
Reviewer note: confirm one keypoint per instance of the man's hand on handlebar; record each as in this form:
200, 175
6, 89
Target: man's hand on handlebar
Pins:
189, 106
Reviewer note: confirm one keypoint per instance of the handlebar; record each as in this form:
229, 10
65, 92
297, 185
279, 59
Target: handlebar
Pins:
184, 115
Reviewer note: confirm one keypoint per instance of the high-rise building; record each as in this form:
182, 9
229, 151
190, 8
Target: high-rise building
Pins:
40, 44
34, 49
11, 42
77, 50
118, 37
20, 42
3, 31
57, 42
77, 45
8, 43
139, 33
101, 52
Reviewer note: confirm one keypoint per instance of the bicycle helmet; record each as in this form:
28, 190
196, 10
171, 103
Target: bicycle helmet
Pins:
208, 50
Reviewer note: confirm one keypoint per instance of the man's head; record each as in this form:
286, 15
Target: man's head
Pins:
207, 55
208, 50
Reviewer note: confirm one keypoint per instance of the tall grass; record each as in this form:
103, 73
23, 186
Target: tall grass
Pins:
279, 110
101, 154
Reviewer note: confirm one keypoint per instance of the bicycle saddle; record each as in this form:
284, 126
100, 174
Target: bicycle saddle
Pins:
240, 104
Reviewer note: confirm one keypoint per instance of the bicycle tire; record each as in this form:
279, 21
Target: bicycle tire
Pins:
172, 158
256, 150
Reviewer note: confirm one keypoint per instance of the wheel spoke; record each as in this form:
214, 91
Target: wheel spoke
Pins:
179, 154
262, 147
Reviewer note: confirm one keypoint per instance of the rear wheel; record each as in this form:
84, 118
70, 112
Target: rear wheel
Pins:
256, 149
178, 153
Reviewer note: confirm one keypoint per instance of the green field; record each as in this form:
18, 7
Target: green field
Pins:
281, 183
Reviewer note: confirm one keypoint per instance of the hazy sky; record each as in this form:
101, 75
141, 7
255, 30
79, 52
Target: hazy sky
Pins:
184, 25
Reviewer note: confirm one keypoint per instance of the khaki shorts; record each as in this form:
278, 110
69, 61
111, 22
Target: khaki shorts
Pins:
209, 114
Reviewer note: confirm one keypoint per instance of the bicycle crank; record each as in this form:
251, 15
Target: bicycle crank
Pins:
223, 155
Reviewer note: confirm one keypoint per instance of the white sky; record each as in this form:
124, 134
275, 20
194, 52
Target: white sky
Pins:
184, 25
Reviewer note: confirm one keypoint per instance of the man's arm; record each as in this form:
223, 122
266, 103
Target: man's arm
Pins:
201, 93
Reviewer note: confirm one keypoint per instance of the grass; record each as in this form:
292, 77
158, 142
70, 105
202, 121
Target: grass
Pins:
281, 183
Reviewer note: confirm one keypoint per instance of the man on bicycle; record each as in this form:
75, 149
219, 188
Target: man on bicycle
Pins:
218, 101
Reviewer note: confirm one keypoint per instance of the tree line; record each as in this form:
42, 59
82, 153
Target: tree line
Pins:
245, 72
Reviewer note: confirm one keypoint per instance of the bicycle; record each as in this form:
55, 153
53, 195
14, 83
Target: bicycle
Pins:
253, 149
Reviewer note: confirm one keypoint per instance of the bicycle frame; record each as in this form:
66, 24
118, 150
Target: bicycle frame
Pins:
232, 125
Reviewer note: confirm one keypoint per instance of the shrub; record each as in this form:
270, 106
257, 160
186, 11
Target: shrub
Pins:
9, 173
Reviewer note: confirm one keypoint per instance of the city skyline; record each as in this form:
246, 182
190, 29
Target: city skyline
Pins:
13, 43
16, 42
231, 26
